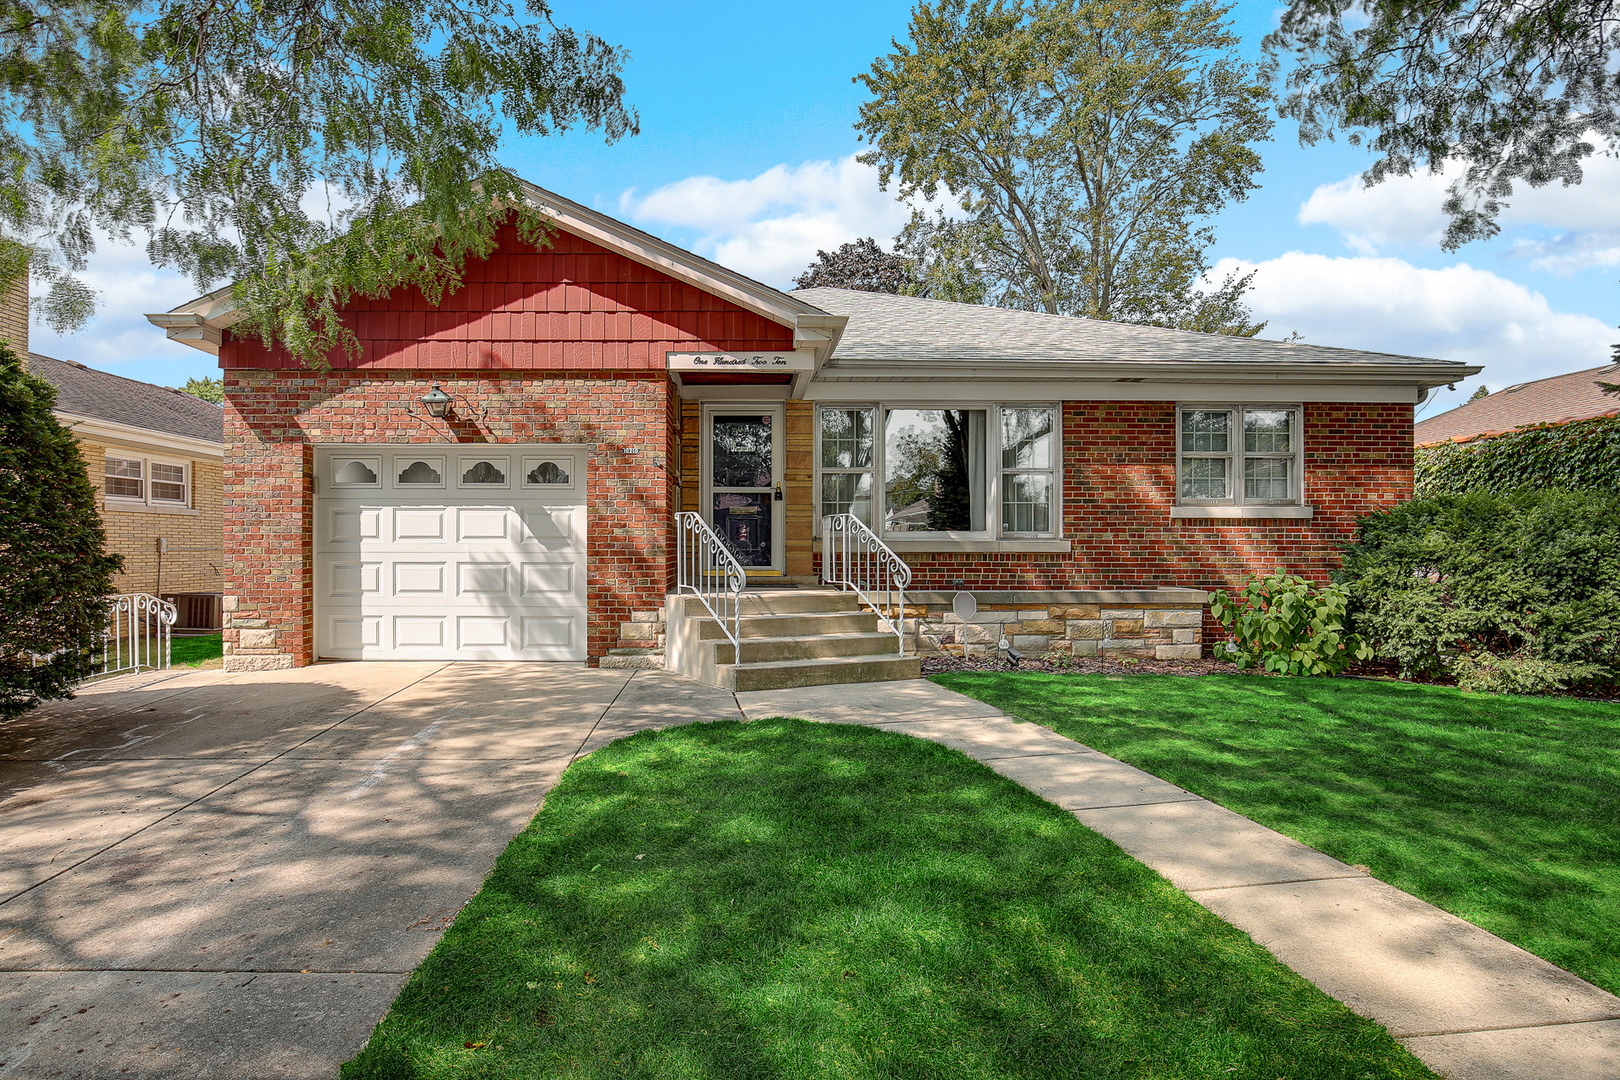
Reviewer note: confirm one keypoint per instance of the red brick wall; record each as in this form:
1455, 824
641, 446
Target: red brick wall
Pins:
572, 306
1119, 485
272, 419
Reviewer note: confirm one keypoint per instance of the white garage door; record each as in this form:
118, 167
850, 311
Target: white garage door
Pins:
450, 552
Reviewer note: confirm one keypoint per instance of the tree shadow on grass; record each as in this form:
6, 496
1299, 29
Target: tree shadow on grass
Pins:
1498, 809
783, 899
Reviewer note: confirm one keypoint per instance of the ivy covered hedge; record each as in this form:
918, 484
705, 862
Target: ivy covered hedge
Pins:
1584, 454
1517, 592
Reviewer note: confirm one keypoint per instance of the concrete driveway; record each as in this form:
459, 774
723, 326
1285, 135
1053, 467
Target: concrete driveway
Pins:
232, 875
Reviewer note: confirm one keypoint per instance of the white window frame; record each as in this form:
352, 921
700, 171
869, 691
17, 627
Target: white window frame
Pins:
147, 498
1236, 454
993, 530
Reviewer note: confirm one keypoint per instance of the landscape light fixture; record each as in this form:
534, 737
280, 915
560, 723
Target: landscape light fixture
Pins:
436, 402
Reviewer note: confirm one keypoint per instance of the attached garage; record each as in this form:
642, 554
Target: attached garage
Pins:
450, 552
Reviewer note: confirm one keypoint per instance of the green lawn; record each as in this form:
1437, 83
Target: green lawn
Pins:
190, 651
784, 899
1503, 810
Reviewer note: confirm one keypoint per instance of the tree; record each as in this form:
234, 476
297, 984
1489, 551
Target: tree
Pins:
54, 567
1479, 392
859, 265
1087, 142
210, 390
310, 152
1509, 89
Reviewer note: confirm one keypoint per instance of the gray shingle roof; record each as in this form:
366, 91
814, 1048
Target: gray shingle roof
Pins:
101, 395
883, 326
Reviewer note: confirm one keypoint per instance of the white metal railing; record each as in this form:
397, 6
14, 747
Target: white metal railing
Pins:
138, 626
706, 568
853, 558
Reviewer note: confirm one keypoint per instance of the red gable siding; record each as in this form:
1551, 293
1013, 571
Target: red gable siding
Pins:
571, 306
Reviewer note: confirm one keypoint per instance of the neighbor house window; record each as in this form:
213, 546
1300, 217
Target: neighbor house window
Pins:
1240, 455
143, 480
916, 471
126, 478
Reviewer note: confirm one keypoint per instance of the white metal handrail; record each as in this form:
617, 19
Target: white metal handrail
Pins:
853, 558
706, 568
138, 634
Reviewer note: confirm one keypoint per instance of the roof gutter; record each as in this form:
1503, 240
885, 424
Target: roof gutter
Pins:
1425, 375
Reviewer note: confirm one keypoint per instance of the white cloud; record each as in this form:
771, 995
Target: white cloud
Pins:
1455, 313
119, 337
1565, 229
771, 226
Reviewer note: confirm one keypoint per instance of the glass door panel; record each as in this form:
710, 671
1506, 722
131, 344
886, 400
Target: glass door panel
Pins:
743, 483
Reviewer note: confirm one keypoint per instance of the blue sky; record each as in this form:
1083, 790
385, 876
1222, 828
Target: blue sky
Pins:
745, 155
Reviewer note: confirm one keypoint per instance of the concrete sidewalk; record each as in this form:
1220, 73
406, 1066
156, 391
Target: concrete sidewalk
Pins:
1468, 1004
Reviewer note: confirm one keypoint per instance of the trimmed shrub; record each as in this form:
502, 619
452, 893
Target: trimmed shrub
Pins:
54, 569
1283, 624
1513, 583
1584, 454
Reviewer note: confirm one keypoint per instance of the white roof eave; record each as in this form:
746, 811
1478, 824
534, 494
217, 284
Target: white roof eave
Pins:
1425, 375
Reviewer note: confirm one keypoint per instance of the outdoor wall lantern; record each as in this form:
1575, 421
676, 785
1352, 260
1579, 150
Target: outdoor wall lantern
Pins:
436, 402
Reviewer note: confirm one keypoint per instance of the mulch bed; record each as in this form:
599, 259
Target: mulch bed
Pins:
1089, 665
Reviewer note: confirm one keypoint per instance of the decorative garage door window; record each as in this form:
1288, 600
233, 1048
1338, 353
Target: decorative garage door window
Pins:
483, 472
547, 473
420, 472
355, 472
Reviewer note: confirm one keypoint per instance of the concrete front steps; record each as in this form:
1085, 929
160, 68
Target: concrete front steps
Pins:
788, 637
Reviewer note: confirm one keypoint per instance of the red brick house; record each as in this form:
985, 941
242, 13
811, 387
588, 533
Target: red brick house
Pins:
1078, 476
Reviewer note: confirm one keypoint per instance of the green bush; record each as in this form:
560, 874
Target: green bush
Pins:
54, 568
1283, 624
1584, 455
1511, 582
1492, 674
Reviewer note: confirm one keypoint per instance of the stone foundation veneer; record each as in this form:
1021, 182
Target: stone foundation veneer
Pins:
1151, 624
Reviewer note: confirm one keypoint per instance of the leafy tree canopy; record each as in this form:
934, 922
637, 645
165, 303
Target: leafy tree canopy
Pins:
309, 152
1479, 392
211, 390
1509, 89
54, 568
859, 265
1087, 141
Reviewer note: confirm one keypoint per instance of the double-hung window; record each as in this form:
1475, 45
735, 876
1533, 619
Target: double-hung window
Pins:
1028, 476
846, 462
1238, 455
144, 480
920, 472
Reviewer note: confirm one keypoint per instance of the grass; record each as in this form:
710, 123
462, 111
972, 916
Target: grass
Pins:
1499, 809
785, 899
191, 651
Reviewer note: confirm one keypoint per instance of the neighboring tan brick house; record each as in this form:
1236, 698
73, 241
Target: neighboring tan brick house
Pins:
1063, 469
155, 457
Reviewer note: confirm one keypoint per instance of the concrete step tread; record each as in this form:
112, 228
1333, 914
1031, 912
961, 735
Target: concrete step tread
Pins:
840, 635
824, 662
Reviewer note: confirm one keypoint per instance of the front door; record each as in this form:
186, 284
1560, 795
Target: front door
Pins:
744, 481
